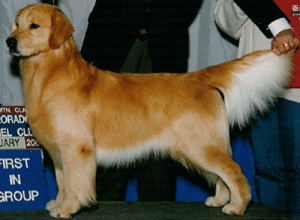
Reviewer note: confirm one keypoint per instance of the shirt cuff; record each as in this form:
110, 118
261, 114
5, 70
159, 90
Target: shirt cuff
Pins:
279, 25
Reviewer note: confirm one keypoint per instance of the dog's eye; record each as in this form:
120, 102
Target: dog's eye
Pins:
34, 26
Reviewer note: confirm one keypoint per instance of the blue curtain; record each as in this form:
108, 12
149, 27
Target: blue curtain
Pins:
276, 140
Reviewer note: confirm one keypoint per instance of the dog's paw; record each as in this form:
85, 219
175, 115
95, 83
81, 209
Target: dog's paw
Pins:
215, 202
65, 209
234, 209
57, 213
51, 205
63, 212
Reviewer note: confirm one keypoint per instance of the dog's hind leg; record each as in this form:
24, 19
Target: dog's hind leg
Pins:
79, 171
215, 160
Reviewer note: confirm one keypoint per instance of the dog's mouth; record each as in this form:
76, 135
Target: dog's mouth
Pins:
15, 53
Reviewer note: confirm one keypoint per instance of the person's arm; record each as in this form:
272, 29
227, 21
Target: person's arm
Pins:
262, 13
272, 22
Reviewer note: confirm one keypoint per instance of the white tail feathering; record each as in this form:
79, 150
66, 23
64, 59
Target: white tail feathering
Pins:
257, 85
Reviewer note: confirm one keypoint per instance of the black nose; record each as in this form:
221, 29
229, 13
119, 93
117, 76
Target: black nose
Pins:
12, 43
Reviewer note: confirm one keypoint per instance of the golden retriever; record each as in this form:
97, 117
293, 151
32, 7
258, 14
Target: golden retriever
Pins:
84, 116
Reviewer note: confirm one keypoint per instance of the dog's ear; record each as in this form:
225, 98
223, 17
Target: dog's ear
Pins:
61, 29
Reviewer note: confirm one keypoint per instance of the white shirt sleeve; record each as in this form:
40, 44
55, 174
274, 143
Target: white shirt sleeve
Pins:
279, 25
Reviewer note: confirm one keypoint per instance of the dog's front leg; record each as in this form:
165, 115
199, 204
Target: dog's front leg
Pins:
59, 181
78, 182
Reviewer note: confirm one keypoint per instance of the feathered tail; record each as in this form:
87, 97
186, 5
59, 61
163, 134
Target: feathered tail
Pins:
252, 83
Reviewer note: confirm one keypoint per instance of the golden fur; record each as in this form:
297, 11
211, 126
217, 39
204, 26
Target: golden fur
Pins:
84, 116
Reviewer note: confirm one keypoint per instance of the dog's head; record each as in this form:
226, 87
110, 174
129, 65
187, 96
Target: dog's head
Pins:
38, 28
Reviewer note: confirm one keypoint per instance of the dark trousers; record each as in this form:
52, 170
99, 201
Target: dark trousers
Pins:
276, 145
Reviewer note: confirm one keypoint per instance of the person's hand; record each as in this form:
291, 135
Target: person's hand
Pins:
284, 42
